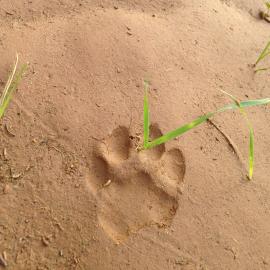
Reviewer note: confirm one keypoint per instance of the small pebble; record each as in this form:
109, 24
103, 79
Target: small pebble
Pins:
6, 189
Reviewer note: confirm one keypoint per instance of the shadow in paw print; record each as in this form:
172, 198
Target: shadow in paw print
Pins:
134, 190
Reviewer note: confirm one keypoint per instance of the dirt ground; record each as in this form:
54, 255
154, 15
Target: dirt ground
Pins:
75, 193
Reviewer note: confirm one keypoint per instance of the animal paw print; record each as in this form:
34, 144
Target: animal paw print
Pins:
134, 189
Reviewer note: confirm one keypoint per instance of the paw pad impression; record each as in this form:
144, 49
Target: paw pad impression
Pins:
134, 189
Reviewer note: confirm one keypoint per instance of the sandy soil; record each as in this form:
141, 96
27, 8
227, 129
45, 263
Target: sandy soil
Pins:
75, 193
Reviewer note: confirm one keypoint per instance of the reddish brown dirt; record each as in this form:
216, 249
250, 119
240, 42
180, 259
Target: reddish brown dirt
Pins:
74, 192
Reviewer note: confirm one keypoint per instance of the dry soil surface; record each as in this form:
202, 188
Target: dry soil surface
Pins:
74, 191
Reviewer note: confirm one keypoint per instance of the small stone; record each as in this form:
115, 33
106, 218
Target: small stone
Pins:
6, 189
16, 175
107, 183
5, 154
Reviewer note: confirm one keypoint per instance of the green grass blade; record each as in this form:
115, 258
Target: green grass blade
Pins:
261, 69
264, 53
11, 86
179, 131
251, 154
234, 99
245, 104
9, 81
251, 133
146, 116
11, 89
256, 102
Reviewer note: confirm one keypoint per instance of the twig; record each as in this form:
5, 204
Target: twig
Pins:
228, 140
